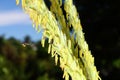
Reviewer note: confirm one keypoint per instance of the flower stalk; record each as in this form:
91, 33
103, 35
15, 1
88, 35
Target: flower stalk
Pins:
71, 52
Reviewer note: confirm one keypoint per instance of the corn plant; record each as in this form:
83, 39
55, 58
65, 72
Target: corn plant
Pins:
70, 50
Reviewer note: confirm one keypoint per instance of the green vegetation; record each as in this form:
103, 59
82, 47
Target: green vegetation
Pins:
26, 63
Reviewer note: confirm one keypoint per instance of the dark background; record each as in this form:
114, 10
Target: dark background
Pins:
100, 21
101, 24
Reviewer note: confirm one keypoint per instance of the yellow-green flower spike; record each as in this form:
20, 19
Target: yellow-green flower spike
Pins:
75, 58
17, 2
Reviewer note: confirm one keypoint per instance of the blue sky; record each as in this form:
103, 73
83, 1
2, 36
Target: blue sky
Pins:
14, 22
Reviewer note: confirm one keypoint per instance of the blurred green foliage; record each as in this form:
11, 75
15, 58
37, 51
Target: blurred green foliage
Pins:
116, 63
34, 63
26, 63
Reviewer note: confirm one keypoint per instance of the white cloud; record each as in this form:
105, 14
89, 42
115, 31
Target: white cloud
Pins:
13, 17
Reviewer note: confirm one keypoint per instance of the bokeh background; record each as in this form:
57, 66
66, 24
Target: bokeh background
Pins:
100, 21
